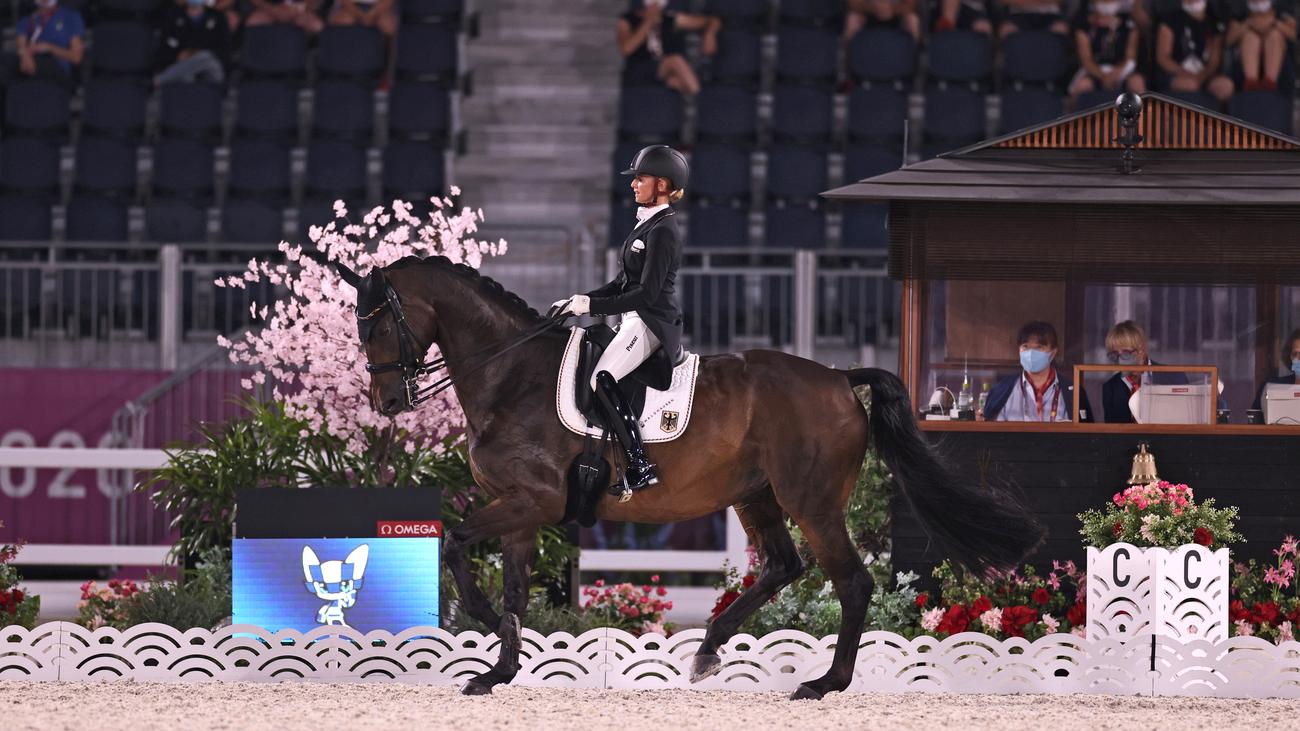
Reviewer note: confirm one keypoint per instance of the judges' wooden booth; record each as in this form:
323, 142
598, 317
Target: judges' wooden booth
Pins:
1198, 243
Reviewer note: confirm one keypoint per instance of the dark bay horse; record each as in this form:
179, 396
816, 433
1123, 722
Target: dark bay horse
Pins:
772, 435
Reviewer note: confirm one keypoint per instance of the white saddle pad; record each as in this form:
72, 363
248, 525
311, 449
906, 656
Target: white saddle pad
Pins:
665, 415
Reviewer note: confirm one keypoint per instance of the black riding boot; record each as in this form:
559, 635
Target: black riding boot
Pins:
640, 472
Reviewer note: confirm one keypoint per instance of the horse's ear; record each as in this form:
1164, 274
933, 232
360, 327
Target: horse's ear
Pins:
348, 275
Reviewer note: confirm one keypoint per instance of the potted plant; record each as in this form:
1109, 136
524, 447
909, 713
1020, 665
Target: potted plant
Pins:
1158, 564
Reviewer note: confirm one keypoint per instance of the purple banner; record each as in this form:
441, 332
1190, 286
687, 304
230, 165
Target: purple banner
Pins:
66, 408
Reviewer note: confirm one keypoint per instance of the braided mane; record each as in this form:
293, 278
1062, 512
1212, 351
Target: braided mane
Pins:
485, 284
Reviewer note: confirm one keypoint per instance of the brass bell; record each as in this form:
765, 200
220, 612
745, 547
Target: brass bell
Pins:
1144, 467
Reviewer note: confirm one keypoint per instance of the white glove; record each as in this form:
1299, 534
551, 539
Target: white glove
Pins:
580, 304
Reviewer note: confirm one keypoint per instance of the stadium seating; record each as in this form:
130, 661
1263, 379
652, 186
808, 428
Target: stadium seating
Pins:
882, 55
26, 218
115, 108
650, 114
267, 109
1264, 108
122, 49
105, 168
351, 52
175, 221
259, 169
877, 115
962, 57
29, 166
336, 169
190, 110
35, 107
426, 53
419, 111
182, 169
251, 221
413, 171
720, 173
92, 218
343, 110
801, 114
274, 51
1035, 57
807, 56
726, 114
1027, 107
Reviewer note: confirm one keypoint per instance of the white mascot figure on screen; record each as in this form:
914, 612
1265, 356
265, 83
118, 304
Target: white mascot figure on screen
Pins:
337, 582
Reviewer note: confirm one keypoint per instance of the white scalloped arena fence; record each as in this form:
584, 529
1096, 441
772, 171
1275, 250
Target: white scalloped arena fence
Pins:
610, 658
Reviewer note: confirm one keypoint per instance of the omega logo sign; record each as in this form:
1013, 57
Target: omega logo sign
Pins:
408, 528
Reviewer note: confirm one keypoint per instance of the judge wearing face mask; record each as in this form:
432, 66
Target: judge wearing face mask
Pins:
1262, 37
1189, 52
1038, 392
1126, 344
1290, 365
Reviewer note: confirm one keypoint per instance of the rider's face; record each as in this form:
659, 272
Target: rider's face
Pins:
645, 188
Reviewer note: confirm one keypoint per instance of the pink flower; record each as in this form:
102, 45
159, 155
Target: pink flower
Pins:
654, 578
1050, 623
1275, 577
1119, 499
1244, 628
1285, 632
600, 582
930, 619
1289, 546
992, 620
1079, 631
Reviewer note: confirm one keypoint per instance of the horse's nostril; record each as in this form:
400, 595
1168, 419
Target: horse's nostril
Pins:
390, 406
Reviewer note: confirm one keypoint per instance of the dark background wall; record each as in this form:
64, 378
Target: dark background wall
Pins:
1062, 475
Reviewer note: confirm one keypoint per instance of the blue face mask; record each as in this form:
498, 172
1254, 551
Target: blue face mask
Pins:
1128, 359
1035, 361
1295, 367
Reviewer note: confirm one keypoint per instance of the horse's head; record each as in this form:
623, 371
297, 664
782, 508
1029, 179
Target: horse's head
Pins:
396, 334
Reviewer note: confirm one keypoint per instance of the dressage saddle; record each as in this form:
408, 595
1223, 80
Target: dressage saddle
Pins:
656, 372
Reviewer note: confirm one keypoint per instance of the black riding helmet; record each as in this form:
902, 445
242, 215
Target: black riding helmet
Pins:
661, 161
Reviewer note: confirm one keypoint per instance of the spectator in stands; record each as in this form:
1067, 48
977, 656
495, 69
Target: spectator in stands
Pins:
194, 44
652, 33
1189, 50
51, 42
962, 15
231, 9
1107, 46
1261, 39
882, 14
1126, 344
1290, 366
1038, 392
381, 14
302, 13
1033, 15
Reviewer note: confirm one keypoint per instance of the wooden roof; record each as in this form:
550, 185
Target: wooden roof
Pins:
1189, 156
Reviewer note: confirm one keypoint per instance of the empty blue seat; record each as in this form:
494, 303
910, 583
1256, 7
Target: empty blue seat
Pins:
259, 169
141, 10
251, 221
114, 107
93, 218
650, 114
419, 111
1035, 57
190, 110
177, 222
738, 13
122, 49
801, 114
877, 114
1268, 109
25, 218
432, 12
267, 109
718, 224
796, 172
868, 161
961, 56
351, 52
182, 169
862, 225
807, 55
738, 60
276, 51
1095, 98
426, 53
1027, 107
720, 173
882, 55
726, 114
106, 167
953, 117
336, 169
34, 107
413, 171
30, 166
343, 109
1199, 98
816, 13
790, 224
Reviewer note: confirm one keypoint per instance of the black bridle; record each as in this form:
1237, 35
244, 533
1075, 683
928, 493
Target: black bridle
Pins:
410, 356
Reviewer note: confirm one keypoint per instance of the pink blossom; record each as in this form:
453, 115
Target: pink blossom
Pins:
653, 628
1275, 577
931, 618
992, 620
1289, 546
1050, 623
1119, 500
1244, 629
1054, 581
1285, 632
1079, 631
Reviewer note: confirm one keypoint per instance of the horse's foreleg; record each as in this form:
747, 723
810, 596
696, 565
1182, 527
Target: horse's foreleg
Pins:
765, 524
518, 550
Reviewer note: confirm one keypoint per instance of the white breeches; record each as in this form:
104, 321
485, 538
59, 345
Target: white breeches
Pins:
631, 346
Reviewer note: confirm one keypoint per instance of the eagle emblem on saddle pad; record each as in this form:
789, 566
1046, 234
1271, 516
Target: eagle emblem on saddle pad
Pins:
668, 421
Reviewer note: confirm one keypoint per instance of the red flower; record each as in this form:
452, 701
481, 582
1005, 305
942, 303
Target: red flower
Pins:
1237, 611
1117, 529
724, 601
17, 595
1203, 536
1015, 618
1042, 596
748, 581
980, 606
922, 600
1078, 614
954, 620
1267, 613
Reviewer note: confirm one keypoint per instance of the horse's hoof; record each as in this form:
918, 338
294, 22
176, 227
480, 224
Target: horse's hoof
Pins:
805, 693
706, 666
474, 687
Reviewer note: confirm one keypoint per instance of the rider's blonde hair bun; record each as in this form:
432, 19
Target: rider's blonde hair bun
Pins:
676, 195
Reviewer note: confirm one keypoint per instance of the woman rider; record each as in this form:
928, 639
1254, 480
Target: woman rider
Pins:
643, 293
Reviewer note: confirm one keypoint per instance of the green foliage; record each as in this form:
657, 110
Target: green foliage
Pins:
201, 600
16, 606
1159, 514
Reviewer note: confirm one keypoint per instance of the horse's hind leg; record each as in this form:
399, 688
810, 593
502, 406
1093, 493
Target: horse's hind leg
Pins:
517, 551
765, 524
837, 556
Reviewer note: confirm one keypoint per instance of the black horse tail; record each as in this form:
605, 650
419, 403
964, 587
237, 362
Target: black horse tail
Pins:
981, 528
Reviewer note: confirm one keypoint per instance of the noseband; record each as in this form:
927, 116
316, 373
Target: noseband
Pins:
410, 355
